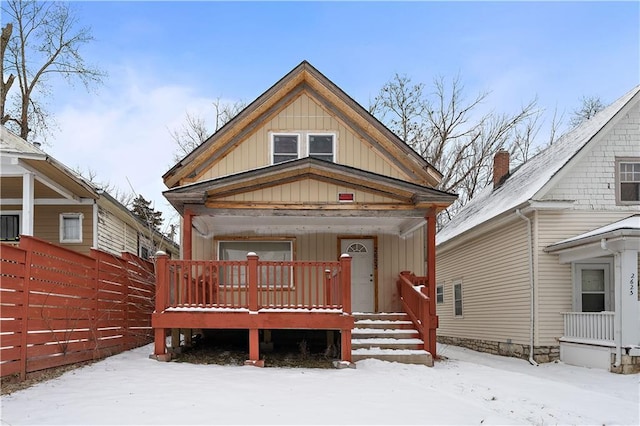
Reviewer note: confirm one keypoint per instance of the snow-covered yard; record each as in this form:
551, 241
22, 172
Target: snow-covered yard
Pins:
468, 388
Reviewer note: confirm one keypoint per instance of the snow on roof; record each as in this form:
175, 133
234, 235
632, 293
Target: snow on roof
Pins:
630, 223
530, 177
11, 143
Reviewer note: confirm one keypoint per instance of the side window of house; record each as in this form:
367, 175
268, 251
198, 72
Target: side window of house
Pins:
440, 293
71, 227
457, 299
10, 227
628, 180
322, 147
285, 147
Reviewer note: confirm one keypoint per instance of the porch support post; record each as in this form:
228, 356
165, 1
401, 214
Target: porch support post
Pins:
187, 235
430, 334
345, 344
26, 227
630, 332
345, 282
160, 346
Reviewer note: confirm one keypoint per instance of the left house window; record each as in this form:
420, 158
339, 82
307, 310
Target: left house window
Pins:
9, 227
71, 227
285, 147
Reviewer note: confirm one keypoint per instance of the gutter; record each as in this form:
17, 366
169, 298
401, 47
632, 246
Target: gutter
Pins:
531, 285
617, 300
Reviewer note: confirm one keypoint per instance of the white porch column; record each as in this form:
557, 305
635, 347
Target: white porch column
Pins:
27, 204
629, 311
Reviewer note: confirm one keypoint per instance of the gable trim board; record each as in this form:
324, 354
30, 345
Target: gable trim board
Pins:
308, 79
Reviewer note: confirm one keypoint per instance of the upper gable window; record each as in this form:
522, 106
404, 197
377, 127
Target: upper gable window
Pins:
628, 180
291, 146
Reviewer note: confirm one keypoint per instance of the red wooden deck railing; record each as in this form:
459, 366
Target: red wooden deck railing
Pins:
60, 307
413, 292
252, 284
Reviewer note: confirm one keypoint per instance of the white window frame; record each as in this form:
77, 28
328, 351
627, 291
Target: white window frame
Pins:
303, 142
455, 314
64, 216
619, 161
13, 213
333, 143
440, 292
272, 144
578, 267
241, 278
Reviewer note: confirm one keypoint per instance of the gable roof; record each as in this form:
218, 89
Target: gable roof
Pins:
307, 167
303, 77
535, 177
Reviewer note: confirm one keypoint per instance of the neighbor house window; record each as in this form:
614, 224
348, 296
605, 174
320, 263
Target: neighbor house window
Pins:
457, 299
266, 251
440, 293
628, 180
71, 227
291, 146
9, 227
285, 147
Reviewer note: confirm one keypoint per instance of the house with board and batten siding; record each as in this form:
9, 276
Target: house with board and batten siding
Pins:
543, 264
304, 212
41, 197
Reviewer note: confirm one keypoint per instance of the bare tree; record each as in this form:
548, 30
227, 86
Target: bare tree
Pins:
194, 130
589, 106
39, 40
449, 130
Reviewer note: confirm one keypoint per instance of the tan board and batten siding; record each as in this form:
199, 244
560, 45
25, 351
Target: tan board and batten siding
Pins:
394, 253
505, 278
304, 114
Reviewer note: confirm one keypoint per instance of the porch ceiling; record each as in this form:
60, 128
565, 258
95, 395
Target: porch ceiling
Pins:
209, 226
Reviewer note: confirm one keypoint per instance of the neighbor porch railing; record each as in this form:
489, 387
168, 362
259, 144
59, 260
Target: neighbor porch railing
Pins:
589, 326
252, 284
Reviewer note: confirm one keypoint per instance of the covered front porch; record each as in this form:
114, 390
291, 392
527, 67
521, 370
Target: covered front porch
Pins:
603, 330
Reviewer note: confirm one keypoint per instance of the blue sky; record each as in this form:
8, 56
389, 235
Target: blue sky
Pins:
167, 58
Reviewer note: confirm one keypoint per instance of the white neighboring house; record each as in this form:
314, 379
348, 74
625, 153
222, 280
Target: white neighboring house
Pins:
547, 257
41, 197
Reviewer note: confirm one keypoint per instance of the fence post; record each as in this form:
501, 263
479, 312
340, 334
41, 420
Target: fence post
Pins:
26, 244
160, 346
96, 256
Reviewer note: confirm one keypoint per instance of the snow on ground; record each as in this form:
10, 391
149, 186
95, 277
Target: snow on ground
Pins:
467, 388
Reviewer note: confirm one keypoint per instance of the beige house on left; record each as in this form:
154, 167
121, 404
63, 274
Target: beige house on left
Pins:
41, 197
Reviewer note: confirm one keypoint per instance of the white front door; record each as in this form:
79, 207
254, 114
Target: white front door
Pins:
362, 279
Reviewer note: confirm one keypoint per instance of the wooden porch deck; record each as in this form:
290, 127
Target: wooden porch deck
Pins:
254, 295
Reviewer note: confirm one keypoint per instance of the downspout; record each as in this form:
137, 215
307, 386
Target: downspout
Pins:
531, 318
617, 300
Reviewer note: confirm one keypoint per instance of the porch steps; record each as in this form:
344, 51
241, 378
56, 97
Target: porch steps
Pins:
387, 337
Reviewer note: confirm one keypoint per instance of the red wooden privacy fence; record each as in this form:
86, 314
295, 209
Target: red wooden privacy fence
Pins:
60, 307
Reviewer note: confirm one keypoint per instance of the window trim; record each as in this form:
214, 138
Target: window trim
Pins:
455, 314
80, 218
439, 292
13, 213
272, 144
333, 143
618, 161
609, 286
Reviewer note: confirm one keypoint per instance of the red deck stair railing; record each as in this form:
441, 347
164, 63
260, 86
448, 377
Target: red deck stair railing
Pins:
413, 291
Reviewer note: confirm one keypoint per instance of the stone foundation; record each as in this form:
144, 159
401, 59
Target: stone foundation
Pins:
629, 364
541, 354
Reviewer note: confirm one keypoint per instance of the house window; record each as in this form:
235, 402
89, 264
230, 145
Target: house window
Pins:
291, 146
457, 299
321, 146
71, 227
592, 287
628, 180
440, 293
267, 251
285, 147
10, 227
144, 253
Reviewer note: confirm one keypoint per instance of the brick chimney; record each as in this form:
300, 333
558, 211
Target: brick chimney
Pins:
500, 167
